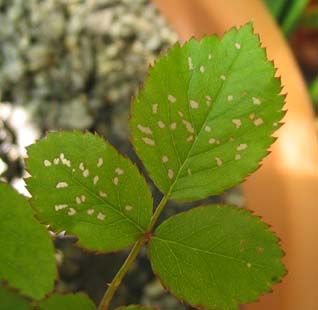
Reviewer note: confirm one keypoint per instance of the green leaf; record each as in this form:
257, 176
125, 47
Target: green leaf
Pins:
81, 184
67, 302
294, 12
309, 18
216, 257
276, 7
12, 301
135, 307
287, 13
205, 116
27, 253
313, 91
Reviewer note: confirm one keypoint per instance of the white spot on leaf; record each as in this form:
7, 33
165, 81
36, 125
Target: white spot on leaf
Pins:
172, 98
173, 126
242, 147
60, 207
119, 171
81, 167
164, 159
100, 162
78, 200
251, 116
65, 161
61, 185
207, 128
170, 174
258, 122
161, 124
219, 161
47, 163
212, 141
85, 173
190, 138
95, 180
144, 129
190, 63
102, 194
71, 211
194, 104
155, 108
210, 56
188, 126
237, 122
208, 98
237, 156
237, 45
202, 69
83, 198
101, 216
229, 98
115, 180
223, 77
90, 211
148, 141
128, 208
256, 101
56, 161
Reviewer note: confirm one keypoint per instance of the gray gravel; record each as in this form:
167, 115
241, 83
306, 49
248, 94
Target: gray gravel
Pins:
75, 64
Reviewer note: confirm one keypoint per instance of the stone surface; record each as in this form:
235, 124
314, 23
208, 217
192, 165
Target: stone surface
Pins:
76, 64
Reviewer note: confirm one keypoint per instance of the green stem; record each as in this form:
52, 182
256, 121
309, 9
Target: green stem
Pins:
104, 304
158, 211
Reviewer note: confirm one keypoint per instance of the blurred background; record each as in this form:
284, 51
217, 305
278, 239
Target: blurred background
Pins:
75, 64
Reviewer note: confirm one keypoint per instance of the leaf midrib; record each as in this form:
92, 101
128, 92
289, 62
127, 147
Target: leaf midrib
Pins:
104, 202
170, 191
208, 252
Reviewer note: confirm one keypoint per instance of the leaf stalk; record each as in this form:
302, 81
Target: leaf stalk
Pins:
112, 288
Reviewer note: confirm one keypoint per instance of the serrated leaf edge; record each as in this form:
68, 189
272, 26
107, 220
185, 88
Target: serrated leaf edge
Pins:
164, 55
5, 281
252, 213
136, 305
14, 290
53, 294
52, 227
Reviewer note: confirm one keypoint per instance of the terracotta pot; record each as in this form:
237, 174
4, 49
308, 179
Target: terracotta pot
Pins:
285, 189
